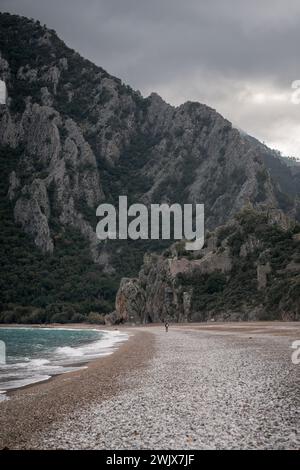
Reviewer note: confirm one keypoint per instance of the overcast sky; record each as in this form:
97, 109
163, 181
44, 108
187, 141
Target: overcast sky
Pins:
238, 56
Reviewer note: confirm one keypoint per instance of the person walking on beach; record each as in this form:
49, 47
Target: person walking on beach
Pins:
167, 326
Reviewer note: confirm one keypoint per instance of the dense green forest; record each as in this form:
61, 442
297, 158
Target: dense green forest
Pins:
64, 286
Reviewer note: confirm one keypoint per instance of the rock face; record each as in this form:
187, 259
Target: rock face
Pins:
76, 129
129, 301
3, 93
153, 296
54, 174
33, 213
83, 137
222, 284
262, 273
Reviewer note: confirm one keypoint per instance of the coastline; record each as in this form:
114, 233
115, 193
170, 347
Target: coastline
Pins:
31, 409
196, 387
201, 389
113, 337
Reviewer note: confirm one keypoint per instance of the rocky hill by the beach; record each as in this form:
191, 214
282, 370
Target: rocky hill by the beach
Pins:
249, 269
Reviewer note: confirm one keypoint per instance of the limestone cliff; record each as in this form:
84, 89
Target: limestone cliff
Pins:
248, 270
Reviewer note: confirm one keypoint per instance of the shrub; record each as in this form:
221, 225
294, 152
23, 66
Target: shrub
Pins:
78, 318
96, 318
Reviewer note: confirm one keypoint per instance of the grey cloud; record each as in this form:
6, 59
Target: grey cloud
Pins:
198, 50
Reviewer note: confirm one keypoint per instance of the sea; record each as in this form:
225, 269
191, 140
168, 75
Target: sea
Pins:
31, 355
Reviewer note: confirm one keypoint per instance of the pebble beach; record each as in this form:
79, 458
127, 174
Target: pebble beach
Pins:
213, 387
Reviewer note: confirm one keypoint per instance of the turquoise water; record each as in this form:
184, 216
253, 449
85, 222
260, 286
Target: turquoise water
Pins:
36, 354
22, 342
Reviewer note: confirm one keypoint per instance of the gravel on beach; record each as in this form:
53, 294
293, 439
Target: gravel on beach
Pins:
200, 390
31, 410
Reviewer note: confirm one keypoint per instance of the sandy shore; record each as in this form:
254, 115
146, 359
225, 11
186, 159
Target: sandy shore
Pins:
197, 387
31, 410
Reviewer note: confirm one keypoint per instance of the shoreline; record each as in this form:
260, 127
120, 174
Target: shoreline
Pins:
69, 326
104, 405
31, 409
274, 327
79, 365
202, 389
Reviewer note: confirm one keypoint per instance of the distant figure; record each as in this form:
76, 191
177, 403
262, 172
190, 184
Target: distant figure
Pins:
167, 326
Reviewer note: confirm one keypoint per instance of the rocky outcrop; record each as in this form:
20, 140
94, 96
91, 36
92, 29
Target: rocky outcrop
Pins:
157, 285
157, 294
65, 168
210, 261
236, 277
32, 211
262, 272
130, 301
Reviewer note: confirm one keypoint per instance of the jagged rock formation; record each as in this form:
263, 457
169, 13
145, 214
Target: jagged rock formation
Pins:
129, 301
241, 274
3, 93
63, 170
79, 137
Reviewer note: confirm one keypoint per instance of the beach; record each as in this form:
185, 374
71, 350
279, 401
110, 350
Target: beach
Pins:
211, 386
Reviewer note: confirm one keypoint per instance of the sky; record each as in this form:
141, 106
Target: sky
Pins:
238, 56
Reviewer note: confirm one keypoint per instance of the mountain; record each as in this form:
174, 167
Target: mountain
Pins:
73, 136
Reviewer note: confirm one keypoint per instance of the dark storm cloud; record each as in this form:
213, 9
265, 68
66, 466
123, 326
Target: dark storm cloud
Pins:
237, 56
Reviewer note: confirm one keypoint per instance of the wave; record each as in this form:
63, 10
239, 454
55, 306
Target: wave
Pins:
60, 360
30, 363
103, 347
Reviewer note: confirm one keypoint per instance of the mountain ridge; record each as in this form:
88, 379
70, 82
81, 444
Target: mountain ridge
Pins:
79, 137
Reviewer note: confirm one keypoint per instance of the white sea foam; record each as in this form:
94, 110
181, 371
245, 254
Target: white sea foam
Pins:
63, 359
69, 351
23, 382
3, 397
29, 364
106, 345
